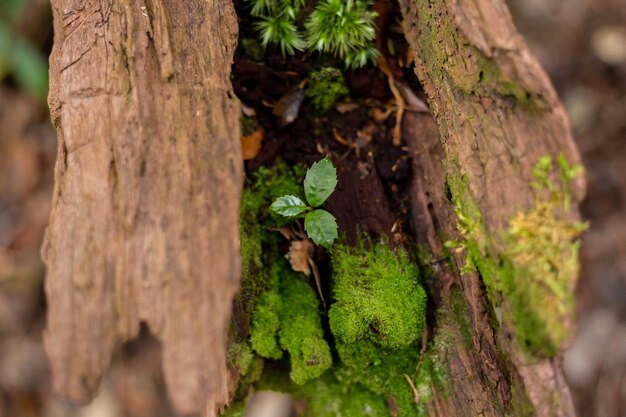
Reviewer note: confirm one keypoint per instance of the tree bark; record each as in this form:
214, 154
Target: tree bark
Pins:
496, 115
144, 224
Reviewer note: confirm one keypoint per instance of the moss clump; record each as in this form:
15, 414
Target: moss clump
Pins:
248, 365
301, 333
325, 87
377, 320
265, 326
253, 49
378, 297
543, 249
327, 397
287, 318
259, 285
266, 185
532, 278
235, 410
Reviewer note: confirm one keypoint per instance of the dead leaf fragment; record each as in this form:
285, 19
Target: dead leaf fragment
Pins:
287, 108
346, 107
251, 144
298, 256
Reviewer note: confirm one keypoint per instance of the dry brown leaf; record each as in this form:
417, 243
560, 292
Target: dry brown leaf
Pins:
379, 115
287, 108
298, 256
346, 107
247, 110
366, 134
413, 102
287, 233
251, 144
340, 138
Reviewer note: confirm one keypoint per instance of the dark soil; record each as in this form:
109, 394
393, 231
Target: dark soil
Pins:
373, 173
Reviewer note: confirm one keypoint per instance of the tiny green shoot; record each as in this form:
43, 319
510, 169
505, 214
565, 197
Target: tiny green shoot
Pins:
319, 184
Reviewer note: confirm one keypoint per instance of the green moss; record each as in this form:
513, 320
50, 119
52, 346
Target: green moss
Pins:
377, 297
235, 410
325, 87
531, 279
326, 396
454, 61
248, 365
265, 326
248, 125
287, 318
259, 290
255, 218
301, 333
377, 319
462, 317
253, 49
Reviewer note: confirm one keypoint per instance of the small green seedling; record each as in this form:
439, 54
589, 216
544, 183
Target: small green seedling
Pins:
319, 184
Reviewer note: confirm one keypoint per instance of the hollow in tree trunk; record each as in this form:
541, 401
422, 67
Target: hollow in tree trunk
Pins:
144, 225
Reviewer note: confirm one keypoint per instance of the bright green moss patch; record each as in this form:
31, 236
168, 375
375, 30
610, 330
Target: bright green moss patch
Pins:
301, 334
377, 319
259, 284
287, 318
532, 278
327, 397
265, 326
377, 296
325, 87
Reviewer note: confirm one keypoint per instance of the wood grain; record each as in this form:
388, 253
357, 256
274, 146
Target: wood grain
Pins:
144, 224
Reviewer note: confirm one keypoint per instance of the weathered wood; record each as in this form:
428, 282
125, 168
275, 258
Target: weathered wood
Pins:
497, 115
144, 224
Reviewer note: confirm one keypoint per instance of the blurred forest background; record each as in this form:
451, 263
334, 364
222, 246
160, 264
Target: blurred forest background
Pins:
581, 44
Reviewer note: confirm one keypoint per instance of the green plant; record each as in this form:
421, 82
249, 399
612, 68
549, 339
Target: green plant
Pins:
325, 87
319, 184
343, 28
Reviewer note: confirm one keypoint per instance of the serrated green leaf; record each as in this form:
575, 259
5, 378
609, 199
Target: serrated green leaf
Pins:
288, 206
320, 182
321, 226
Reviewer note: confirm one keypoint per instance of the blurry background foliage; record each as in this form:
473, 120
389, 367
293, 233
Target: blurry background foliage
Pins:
22, 60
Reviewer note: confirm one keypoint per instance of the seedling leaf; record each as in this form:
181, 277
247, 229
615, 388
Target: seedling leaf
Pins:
321, 227
288, 206
320, 182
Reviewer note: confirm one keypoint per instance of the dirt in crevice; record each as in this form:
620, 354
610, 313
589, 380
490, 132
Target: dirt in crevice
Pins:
374, 174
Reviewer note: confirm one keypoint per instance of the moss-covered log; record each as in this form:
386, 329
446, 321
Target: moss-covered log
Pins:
144, 220
475, 184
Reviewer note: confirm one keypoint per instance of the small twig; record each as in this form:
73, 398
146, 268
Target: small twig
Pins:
397, 129
318, 282
416, 395
422, 352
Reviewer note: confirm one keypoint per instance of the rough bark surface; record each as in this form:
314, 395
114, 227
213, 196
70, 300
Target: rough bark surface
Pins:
497, 114
144, 224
